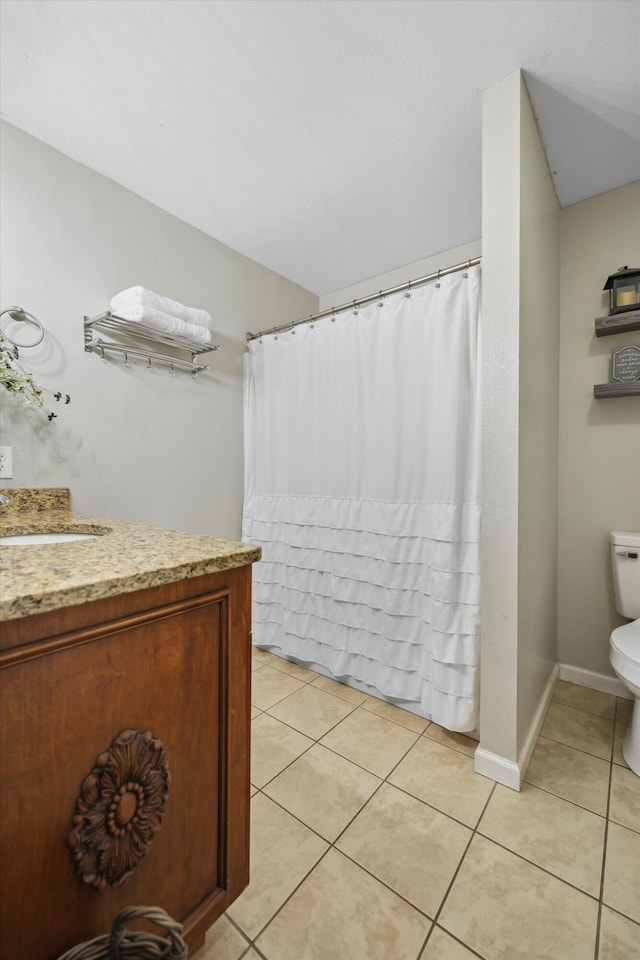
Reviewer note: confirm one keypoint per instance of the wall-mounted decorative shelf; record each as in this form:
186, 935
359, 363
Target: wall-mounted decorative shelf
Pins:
619, 323
602, 391
624, 380
138, 332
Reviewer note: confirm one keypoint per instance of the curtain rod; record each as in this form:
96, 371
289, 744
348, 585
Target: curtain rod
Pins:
354, 304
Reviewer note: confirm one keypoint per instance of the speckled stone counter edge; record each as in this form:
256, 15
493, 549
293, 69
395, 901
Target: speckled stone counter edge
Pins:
124, 557
35, 500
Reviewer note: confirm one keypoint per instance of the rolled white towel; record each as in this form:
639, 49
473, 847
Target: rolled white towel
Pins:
140, 296
164, 323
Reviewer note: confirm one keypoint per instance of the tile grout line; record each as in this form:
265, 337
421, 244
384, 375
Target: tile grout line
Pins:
361, 704
590, 713
252, 942
598, 898
430, 806
601, 902
559, 796
605, 817
312, 744
383, 780
354, 707
606, 837
332, 845
532, 863
450, 886
249, 944
288, 898
563, 743
475, 831
260, 789
434, 919
437, 926
331, 749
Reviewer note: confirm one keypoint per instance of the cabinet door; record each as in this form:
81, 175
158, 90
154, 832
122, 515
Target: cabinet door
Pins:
168, 674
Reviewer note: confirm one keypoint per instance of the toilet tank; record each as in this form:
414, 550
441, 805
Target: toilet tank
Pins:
625, 560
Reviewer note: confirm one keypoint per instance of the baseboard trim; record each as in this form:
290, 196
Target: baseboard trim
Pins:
594, 681
497, 768
536, 724
508, 772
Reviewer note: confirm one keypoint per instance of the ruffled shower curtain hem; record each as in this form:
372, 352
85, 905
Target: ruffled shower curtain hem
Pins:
396, 611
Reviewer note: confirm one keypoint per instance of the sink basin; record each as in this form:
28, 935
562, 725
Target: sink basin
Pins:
37, 539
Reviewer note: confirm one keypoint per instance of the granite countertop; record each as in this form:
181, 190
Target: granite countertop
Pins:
126, 556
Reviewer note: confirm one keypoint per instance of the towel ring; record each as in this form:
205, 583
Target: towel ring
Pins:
17, 313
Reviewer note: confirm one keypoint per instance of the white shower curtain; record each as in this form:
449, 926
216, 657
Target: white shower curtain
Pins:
362, 465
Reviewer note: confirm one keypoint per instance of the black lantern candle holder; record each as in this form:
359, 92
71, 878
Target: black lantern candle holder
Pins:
624, 303
624, 290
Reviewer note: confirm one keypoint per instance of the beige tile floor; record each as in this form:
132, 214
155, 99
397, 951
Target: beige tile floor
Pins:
372, 837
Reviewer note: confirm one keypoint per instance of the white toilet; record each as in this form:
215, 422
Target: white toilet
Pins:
625, 641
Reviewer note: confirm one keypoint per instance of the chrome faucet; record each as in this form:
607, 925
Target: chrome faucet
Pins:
4, 500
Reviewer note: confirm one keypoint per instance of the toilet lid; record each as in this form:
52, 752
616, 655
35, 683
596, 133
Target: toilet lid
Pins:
625, 651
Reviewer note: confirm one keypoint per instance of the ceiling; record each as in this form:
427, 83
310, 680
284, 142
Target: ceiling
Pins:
330, 140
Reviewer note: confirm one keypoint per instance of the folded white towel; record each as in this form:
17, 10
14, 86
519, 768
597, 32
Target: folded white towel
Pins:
164, 323
141, 296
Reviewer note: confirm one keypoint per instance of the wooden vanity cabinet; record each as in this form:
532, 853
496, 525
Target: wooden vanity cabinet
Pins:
172, 664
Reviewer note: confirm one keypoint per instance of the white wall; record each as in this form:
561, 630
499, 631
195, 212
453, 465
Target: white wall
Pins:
538, 427
500, 377
520, 408
132, 444
599, 439
393, 278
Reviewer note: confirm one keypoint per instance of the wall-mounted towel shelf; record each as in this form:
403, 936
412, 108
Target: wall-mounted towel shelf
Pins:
139, 333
